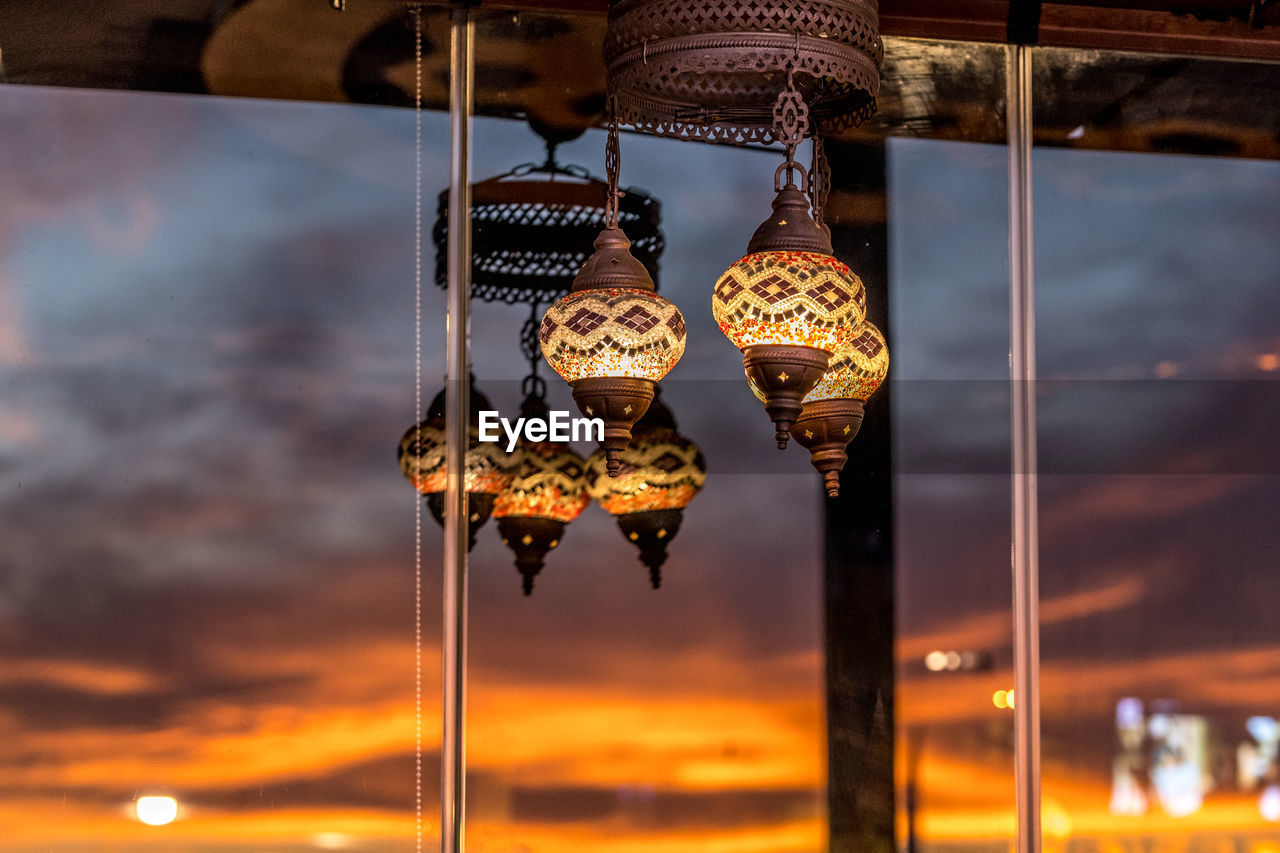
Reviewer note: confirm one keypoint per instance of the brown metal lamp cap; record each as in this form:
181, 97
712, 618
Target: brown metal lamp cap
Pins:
530, 538
825, 429
784, 374
612, 265
619, 401
790, 228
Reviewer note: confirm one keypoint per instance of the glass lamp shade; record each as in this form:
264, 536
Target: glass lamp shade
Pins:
547, 492
487, 469
612, 332
855, 373
781, 298
661, 473
857, 370
660, 470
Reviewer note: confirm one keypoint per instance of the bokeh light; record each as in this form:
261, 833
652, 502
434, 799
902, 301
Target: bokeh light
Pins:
156, 811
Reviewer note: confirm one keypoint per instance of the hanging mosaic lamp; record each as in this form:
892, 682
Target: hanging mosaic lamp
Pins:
547, 492
487, 468
760, 72
788, 304
661, 473
612, 337
833, 410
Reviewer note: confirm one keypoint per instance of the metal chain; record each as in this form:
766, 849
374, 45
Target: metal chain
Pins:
819, 179
612, 161
791, 124
533, 386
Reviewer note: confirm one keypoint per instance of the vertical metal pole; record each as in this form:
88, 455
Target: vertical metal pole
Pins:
457, 409
1022, 372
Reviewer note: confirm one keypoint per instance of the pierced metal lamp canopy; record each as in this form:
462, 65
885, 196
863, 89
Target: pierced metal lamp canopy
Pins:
712, 69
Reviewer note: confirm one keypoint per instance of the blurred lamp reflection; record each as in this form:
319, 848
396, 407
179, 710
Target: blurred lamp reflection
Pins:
661, 473
422, 461
547, 492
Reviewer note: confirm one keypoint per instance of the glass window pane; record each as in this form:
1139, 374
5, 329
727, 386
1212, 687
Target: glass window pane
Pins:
755, 699
206, 587
1158, 341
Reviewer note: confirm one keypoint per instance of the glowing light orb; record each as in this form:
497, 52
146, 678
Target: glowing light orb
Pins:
660, 470
548, 483
156, 811
789, 298
1269, 804
602, 332
422, 461
855, 372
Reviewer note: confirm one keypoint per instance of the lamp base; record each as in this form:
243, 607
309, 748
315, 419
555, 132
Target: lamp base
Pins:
479, 508
530, 538
784, 374
650, 531
619, 401
825, 429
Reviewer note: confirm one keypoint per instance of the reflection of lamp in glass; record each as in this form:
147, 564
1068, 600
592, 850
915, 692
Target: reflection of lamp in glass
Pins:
487, 468
532, 226
661, 473
612, 338
833, 410
547, 492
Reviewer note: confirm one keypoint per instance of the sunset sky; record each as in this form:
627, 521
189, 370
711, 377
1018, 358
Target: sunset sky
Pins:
206, 584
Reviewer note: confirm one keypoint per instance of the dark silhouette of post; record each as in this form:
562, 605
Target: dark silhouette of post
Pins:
859, 577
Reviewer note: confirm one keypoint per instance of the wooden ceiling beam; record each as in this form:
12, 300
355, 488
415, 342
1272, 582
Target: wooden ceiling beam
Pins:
1209, 28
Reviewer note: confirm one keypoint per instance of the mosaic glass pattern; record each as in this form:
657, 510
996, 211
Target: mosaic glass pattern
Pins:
789, 298
661, 469
488, 468
548, 483
612, 332
854, 373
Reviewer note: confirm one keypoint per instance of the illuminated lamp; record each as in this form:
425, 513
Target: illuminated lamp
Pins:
612, 337
661, 473
547, 492
761, 72
487, 469
788, 305
832, 412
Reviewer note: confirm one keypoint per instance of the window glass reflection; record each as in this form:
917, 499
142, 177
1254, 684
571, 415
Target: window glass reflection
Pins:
1157, 341
206, 351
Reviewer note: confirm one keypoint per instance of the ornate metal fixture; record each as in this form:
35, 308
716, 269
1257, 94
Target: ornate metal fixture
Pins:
713, 70
612, 338
661, 473
531, 229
